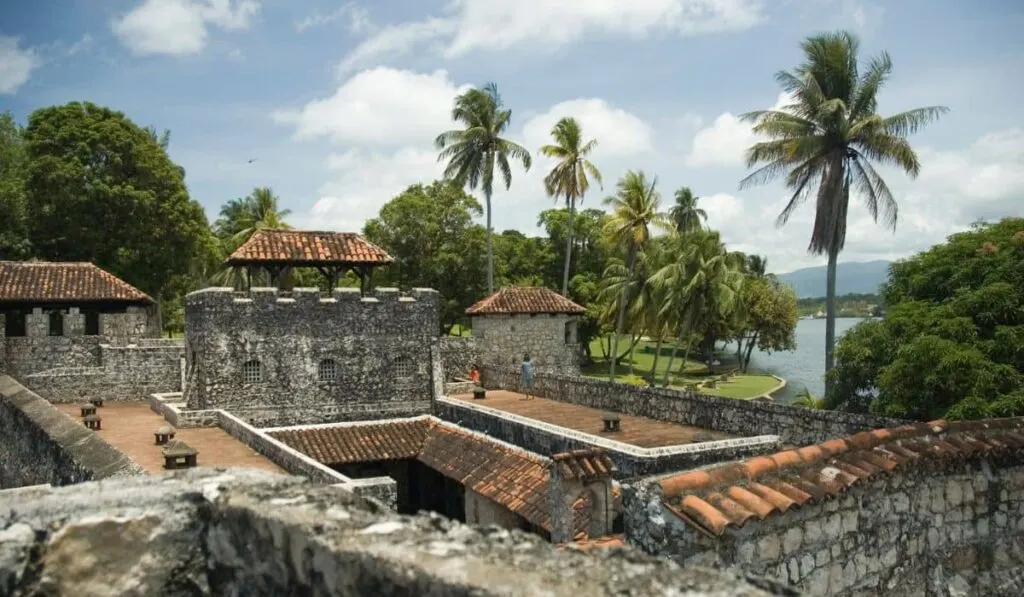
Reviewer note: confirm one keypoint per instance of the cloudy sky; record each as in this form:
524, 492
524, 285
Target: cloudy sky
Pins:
338, 102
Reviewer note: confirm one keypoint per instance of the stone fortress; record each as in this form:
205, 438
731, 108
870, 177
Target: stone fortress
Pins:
356, 410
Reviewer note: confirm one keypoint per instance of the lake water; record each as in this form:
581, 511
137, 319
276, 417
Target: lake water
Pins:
805, 366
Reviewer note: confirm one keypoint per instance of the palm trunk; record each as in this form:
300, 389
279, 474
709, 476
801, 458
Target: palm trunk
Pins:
632, 354
657, 353
830, 314
621, 320
568, 246
490, 248
750, 350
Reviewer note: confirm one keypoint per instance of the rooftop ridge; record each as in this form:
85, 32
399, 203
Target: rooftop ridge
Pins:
308, 296
512, 300
309, 246
716, 498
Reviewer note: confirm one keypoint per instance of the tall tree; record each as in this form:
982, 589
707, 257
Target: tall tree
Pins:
569, 176
473, 152
685, 214
240, 218
824, 142
429, 230
13, 232
103, 190
635, 211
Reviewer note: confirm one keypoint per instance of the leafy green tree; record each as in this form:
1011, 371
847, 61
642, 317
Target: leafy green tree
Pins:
13, 210
635, 211
569, 176
952, 340
685, 214
590, 247
429, 231
473, 152
824, 144
770, 318
103, 190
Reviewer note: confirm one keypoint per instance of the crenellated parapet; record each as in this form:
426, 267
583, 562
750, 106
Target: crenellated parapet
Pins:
307, 351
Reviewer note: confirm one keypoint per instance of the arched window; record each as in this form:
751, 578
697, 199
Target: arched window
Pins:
404, 368
252, 372
328, 370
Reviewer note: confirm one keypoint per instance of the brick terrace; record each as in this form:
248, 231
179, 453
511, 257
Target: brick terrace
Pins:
637, 431
129, 427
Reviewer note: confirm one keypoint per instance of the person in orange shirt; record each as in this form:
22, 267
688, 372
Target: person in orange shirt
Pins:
474, 375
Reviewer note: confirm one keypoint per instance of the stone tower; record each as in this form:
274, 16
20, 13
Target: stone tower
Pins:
532, 320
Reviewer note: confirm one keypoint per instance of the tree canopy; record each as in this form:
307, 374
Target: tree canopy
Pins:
13, 210
102, 189
952, 340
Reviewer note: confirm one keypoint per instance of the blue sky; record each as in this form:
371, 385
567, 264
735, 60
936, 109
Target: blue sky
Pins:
338, 101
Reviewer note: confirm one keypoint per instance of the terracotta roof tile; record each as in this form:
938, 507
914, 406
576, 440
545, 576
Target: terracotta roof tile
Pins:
611, 541
510, 476
524, 300
734, 494
42, 281
395, 440
309, 247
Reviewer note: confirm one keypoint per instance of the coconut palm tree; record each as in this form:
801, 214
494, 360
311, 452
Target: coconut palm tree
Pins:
685, 213
824, 143
568, 177
261, 212
634, 213
473, 152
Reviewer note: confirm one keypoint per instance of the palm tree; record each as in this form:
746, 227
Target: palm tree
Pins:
824, 143
685, 213
261, 212
472, 152
568, 177
699, 285
634, 213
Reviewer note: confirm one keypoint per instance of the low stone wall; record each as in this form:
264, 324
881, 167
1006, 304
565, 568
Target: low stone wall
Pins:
252, 533
795, 425
280, 416
171, 407
631, 461
924, 531
123, 374
40, 445
25, 355
458, 353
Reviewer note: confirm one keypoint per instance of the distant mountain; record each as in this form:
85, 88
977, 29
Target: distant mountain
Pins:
853, 277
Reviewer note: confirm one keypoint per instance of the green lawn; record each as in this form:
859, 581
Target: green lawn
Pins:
695, 373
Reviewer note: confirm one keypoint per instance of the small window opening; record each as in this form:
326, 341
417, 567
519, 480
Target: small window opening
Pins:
404, 368
56, 323
570, 332
92, 323
328, 370
14, 324
252, 372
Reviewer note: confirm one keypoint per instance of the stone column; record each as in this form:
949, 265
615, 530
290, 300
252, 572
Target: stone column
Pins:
37, 323
74, 322
576, 474
3, 344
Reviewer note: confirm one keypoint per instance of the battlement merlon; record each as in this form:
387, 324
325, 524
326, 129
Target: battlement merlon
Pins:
221, 296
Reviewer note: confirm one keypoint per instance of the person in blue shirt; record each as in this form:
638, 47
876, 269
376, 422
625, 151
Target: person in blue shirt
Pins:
526, 376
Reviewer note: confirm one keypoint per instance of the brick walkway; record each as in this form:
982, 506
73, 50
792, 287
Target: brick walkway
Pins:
129, 427
638, 431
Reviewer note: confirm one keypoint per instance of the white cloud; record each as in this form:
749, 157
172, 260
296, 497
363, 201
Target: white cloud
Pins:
387, 120
725, 141
357, 19
16, 64
382, 106
470, 25
180, 27
955, 187
618, 132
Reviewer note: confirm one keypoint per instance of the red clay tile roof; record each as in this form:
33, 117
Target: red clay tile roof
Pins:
524, 299
730, 495
600, 543
512, 477
358, 443
584, 464
42, 281
308, 247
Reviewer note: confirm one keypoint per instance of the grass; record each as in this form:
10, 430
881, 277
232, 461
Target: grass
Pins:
740, 386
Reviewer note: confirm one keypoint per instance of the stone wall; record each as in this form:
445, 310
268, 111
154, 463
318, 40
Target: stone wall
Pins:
631, 461
39, 444
289, 357
27, 355
795, 425
502, 340
123, 374
458, 354
252, 533
919, 532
